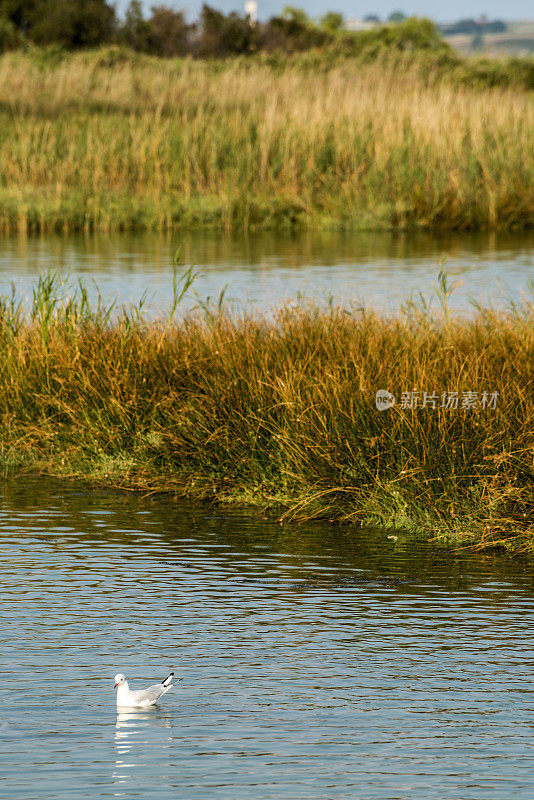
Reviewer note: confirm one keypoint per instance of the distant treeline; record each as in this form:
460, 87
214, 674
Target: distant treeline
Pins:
76, 24
472, 26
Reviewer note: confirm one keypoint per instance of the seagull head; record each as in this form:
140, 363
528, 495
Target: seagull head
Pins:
119, 680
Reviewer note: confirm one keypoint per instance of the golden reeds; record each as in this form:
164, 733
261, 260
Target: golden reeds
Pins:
145, 143
280, 412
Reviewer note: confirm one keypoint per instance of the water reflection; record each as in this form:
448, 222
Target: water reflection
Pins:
135, 730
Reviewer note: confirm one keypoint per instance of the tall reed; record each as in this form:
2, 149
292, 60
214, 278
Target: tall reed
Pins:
91, 143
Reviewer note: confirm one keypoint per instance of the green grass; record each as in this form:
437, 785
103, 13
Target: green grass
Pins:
279, 412
114, 141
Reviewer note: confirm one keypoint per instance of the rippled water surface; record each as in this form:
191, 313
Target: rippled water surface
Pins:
315, 662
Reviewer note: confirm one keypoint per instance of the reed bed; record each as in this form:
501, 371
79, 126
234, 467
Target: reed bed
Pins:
279, 411
110, 141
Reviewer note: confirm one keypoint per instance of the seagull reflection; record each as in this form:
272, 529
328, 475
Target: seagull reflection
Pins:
136, 732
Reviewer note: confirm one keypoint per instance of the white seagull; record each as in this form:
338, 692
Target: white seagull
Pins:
140, 698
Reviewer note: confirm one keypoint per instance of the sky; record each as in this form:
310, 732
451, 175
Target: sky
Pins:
435, 9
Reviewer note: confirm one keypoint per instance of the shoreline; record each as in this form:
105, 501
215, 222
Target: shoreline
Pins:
477, 535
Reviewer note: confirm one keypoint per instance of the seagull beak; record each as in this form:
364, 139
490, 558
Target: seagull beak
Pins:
115, 685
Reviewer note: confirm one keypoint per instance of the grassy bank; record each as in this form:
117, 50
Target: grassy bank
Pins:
280, 412
115, 141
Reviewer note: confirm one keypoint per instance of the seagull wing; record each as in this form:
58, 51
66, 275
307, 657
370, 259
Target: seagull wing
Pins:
150, 695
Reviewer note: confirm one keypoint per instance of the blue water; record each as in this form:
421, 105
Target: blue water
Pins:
315, 662
266, 270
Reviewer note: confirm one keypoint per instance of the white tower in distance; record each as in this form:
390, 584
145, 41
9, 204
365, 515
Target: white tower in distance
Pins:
251, 11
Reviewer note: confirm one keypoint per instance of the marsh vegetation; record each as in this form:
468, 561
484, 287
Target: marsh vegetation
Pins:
390, 139
278, 411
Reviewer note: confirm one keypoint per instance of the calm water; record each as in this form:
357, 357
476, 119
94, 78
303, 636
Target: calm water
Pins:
315, 662
265, 270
